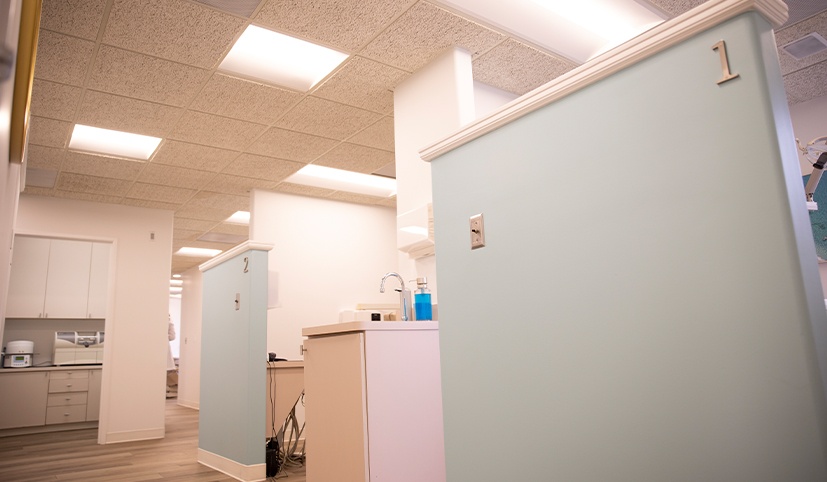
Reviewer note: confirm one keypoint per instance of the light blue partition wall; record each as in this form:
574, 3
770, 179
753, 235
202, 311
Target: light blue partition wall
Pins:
231, 431
647, 304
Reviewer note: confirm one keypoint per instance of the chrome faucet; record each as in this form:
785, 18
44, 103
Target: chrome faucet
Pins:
404, 295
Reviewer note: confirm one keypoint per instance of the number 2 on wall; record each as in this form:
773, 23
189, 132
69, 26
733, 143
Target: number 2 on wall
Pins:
726, 74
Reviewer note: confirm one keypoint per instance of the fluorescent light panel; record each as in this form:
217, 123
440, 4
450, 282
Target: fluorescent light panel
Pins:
176, 282
114, 143
341, 180
614, 20
197, 252
280, 59
239, 217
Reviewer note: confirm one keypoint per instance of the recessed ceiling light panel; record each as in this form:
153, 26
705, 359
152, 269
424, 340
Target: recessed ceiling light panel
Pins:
341, 180
280, 59
806, 46
239, 217
197, 252
113, 143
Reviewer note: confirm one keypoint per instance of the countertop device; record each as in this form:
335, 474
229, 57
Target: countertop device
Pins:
18, 354
78, 348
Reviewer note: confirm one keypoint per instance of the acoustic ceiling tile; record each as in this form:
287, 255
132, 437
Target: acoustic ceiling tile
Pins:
185, 234
179, 31
57, 101
807, 83
204, 213
212, 130
85, 196
136, 75
81, 183
167, 175
261, 167
146, 203
517, 68
347, 24
363, 83
193, 156
424, 32
676, 7
80, 18
226, 228
154, 192
61, 58
389, 202
39, 191
355, 198
816, 24
194, 224
215, 200
379, 135
294, 146
324, 118
300, 189
229, 184
48, 132
353, 157
103, 166
43, 157
243, 99
99, 109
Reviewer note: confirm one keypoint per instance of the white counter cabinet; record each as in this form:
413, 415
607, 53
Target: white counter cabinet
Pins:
373, 402
23, 397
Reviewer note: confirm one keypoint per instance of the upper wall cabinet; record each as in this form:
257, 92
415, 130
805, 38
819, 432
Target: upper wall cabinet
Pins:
58, 278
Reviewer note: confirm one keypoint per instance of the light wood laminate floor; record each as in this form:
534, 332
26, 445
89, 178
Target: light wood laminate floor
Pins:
76, 456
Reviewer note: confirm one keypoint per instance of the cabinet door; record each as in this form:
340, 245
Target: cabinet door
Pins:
27, 280
23, 399
98, 280
334, 378
93, 399
67, 285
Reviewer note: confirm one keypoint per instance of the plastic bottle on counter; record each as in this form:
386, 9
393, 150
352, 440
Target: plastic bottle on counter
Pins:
422, 300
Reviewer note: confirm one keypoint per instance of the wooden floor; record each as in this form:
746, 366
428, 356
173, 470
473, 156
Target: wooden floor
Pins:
75, 455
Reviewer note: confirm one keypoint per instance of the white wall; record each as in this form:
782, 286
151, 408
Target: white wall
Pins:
488, 99
328, 255
134, 371
189, 363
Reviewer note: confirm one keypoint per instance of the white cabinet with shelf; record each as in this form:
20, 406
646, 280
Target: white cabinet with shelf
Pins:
373, 402
58, 278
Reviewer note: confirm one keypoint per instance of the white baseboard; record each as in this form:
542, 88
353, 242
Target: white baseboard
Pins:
188, 403
244, 473
132, 436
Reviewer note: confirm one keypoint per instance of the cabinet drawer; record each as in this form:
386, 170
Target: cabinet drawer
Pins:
68, 414
68, 398
69, 385
72, 374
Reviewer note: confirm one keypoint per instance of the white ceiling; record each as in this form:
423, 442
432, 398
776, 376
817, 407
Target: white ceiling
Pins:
149, 67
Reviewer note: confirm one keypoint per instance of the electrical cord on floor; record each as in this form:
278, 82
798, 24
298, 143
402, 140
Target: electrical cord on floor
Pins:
289, 453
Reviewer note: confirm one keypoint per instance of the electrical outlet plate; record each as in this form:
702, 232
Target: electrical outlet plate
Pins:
477, 231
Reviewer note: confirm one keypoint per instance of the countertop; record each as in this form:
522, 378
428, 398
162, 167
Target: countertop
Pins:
50, 368
353, 326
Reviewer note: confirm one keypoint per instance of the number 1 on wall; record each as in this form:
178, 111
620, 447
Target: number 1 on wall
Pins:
726, 74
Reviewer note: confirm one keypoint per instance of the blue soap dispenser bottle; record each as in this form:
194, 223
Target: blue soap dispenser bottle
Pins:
422, 300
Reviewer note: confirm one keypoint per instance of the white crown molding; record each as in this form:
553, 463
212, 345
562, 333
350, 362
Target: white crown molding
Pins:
649, 43
231, 253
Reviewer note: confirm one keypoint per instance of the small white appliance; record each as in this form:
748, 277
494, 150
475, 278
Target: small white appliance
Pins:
78, 348
18, 354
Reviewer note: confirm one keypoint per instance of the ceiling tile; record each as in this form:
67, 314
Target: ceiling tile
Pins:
185, 234
56, 101
784, 36
155, 192
226, 228
92, 165
261, 167
99, 109
388, 202
517, 68
136, 75
378, 135
44, 157
807, 83
80, 18
348, 23
228, 184
48, 132
204, 213
291, 188
352, 157
193, 156
363, 83
355, 198
144, 203
61, 58
39, 191
216, 200
327, 119
424, 32
171, 29
81, 183
676, 7
243, 8
194, 224
243, 99
167, 175
85, 196
294, 146
212, 130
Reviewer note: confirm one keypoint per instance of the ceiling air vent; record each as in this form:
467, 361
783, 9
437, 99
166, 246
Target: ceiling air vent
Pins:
806, 46
244, 8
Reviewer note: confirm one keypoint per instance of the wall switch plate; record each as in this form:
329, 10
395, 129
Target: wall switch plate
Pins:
477, 231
